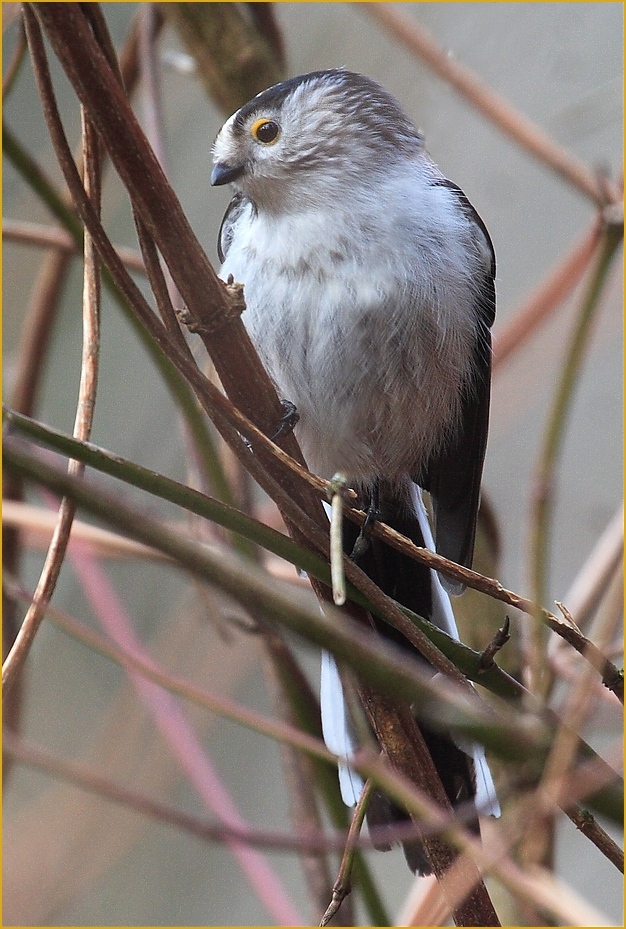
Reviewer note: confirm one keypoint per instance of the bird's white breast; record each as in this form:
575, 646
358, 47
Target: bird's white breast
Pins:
362, 311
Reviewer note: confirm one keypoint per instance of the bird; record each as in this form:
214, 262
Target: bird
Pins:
369, 282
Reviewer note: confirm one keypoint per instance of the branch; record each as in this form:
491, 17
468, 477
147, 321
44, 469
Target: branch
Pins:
464, 658
234, 60
20, 648
509, 120
53, 237
545, 472
510, 733
557, 284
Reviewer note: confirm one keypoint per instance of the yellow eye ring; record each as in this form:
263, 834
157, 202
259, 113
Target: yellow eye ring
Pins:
265, 130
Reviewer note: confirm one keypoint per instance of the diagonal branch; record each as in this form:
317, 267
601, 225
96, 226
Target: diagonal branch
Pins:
509, 120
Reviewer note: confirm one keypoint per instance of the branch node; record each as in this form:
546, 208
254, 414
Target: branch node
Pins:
502, 636
208, 325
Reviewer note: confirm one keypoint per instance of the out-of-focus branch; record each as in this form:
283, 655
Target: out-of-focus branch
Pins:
38, 324
507, 731
509, 120
38, 234
234, 59
558, 283
280, 545
542, 498
15, 63
84, 418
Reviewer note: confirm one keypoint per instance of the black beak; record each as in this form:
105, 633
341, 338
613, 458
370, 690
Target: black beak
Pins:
224, 173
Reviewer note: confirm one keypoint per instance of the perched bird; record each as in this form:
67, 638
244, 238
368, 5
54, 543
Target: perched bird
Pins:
369, 284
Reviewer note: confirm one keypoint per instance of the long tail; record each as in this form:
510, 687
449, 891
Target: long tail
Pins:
463, 768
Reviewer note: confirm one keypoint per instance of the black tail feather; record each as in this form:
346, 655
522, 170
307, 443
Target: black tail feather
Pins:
410, 584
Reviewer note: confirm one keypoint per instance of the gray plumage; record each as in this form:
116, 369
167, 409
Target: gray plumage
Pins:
369, 286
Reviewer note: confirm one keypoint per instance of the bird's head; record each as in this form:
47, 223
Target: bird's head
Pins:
309, 136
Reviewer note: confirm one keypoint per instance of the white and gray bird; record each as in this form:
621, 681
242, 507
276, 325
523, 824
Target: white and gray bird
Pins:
369, 286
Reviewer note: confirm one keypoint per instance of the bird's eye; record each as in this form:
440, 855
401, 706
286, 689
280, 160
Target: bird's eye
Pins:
265, 130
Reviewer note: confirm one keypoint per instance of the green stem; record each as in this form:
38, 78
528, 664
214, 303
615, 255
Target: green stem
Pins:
545, 474
40, 183
466, 659
381, 664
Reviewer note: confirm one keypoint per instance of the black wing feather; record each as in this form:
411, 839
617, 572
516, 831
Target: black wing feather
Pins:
453, 476
225, 236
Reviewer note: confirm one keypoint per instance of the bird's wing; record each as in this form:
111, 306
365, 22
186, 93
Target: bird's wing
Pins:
453, 475
227, 229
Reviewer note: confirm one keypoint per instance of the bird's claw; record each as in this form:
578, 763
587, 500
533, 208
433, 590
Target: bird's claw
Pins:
363, 540
288, 420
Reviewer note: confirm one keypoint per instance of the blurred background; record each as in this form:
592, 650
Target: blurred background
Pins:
72, 859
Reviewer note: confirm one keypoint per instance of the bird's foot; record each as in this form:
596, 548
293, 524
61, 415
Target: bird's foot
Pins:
363, 539
288, 420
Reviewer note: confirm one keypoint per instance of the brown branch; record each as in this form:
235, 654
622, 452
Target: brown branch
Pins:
588, 825
263, 16
558, 283
343, 885
84, 413
39, 320
87, 779
163, 288
28, 233
209, 305
404, 746
204, 295
82, 776
509, 120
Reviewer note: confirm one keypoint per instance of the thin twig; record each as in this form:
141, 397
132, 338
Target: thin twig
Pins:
542, 499
342, 885
53, 237
513, 123
37, 757
84, 416
337, 488
163, 287
590, 828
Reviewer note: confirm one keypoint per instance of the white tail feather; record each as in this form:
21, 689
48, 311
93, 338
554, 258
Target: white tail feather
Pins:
336, 728
338, 734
